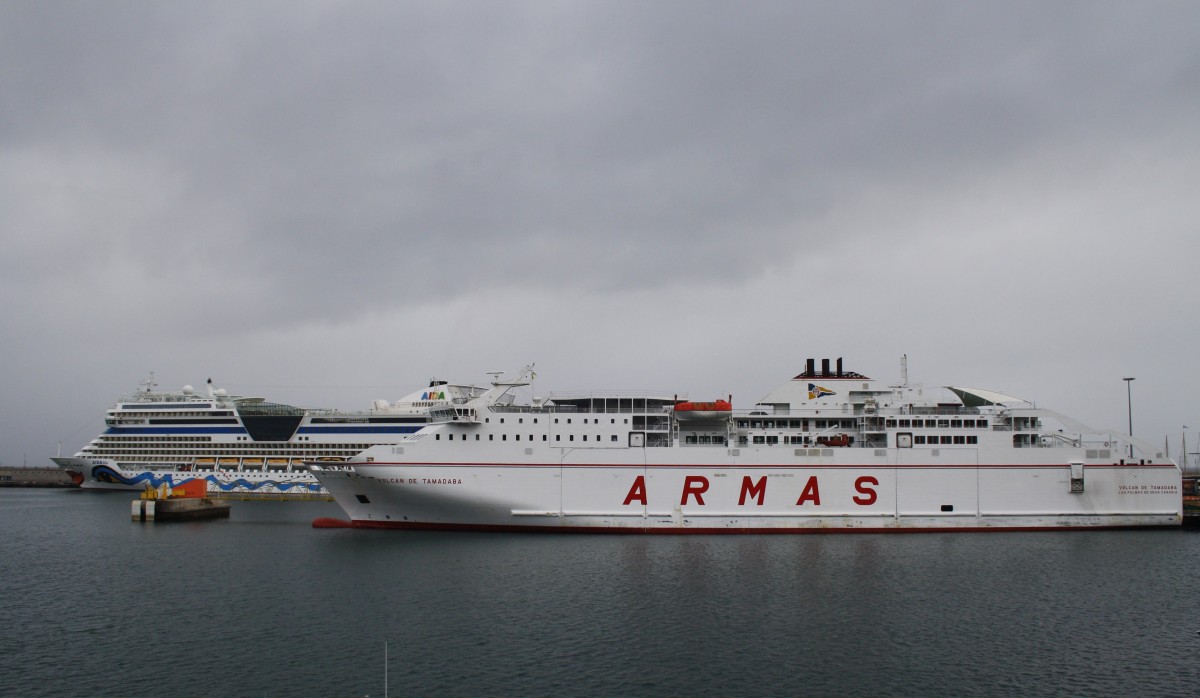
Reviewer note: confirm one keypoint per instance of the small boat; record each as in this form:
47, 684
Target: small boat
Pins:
836, 440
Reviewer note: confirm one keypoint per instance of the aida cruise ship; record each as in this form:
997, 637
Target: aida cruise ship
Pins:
240, 444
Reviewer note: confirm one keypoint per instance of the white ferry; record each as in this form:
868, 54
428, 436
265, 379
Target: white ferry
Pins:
240, 444
829, 450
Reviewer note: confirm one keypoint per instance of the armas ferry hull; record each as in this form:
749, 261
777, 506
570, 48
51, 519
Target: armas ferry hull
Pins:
828, 451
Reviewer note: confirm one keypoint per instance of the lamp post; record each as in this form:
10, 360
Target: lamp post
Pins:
1129, 406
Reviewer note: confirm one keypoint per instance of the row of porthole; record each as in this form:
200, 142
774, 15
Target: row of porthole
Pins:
517, 437
521, 420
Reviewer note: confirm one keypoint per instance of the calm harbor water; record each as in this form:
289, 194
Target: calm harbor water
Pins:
264, 605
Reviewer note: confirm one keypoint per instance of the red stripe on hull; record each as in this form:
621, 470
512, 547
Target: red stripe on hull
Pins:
616, 530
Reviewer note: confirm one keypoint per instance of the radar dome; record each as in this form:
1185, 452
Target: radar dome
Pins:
188, 390
220, 392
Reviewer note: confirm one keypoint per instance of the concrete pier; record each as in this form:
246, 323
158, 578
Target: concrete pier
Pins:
35, 477
189, 509
184, 503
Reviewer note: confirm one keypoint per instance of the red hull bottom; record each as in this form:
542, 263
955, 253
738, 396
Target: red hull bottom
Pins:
326, 522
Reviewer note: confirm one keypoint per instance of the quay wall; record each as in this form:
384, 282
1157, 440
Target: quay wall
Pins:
35, 477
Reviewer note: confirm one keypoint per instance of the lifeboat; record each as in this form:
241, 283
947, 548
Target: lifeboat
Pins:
838, 440
703, 410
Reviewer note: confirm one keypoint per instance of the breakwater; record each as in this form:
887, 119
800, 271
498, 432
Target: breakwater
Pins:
35, 477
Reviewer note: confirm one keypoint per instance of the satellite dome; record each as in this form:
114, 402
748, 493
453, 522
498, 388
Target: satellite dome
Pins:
188, 390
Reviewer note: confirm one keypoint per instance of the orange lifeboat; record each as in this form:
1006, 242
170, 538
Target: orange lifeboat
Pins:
838, 440
703, 410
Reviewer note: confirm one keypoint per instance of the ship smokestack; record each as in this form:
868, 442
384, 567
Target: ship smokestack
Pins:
811, 368
825, 367
839, 367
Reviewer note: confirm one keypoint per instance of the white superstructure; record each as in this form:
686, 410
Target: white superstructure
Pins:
829, 450
240, 444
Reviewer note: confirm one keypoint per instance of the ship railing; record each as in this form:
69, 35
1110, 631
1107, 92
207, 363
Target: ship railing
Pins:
457, 415
1057, 440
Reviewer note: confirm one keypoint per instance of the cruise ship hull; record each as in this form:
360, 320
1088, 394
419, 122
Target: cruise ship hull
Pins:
841, 493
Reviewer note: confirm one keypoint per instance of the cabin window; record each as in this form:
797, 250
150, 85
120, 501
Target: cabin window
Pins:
518, 437
504, 437
614, 437
960, 439
946, 440
972, 439
919, 439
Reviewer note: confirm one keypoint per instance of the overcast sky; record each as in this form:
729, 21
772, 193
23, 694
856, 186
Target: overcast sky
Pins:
328, 202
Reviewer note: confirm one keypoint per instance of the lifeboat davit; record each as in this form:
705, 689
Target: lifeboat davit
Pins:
703, 410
